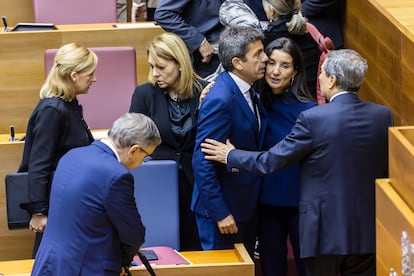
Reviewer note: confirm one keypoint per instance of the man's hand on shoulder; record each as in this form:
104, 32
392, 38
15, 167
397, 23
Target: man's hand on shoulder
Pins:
216, 151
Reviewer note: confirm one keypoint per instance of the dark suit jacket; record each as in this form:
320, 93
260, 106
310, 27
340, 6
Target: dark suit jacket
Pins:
93, 225
343, 148
55, 126
151, 101
328, 16
192, 20
225, 113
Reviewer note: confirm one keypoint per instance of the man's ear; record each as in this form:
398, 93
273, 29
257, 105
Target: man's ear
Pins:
132, 150
237, 63
332, 81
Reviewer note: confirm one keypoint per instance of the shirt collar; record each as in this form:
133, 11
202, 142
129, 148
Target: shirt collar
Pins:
108, 143
241, 84
340, 93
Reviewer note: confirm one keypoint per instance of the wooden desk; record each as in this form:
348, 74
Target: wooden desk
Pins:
383, 32
22, 67
216, 262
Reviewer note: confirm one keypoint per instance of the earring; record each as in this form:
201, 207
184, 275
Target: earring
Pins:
179, 69
292, 80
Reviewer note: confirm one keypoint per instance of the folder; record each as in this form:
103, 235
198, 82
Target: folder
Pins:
166, 256
17, 192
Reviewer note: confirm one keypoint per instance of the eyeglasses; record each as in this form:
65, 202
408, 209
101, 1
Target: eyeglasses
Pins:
144, 151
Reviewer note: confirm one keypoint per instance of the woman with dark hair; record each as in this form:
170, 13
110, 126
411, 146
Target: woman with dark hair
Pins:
285, 94
286, 20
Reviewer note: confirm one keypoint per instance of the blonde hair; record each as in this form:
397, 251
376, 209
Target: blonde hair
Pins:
287, 8
69, 58
170, 46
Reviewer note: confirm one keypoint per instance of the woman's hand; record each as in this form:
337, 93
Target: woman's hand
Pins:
38, 222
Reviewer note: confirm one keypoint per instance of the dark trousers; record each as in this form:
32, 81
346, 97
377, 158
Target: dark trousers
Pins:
189, 240
38, 239
211, 238
344, 265
276, 225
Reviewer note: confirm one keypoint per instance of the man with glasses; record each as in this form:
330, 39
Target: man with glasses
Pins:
94, 227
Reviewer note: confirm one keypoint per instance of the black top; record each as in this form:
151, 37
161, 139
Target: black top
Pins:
180, 117
177, 125
310, 51
55, 127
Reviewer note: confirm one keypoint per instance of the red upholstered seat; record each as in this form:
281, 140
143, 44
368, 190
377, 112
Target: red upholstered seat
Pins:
74, 11
110, 96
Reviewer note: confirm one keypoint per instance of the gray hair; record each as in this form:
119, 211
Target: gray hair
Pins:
234, 42
349, 68
134, 129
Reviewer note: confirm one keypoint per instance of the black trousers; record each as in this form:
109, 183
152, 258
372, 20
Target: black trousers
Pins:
276, 225
38, 239
189, 240
344, 265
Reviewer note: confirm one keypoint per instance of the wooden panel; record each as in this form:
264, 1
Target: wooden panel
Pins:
387, 249
401, 162
15, 244
222, 262
17, 11
393, 216
22, 66
382, 31
22, 74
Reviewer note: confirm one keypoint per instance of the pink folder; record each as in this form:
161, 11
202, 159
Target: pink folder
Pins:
166, 256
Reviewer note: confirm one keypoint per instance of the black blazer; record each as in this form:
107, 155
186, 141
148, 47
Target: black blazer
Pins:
152, 101
55, 126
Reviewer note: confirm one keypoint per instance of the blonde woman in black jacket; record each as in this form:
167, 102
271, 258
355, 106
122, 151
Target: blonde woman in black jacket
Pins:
55, 126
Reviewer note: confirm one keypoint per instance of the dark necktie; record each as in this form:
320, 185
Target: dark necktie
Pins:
254, 99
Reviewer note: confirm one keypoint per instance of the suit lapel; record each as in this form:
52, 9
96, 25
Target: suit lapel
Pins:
241, 100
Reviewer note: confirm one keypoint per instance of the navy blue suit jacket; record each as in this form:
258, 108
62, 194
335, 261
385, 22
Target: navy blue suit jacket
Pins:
343, 148
192, 20
225, 113
93, 225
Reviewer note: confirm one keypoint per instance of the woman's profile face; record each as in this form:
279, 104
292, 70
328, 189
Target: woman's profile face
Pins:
279, 71
165, 72
83, 81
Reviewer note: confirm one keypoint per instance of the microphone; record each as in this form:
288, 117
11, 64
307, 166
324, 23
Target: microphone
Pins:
5, 28
12, 138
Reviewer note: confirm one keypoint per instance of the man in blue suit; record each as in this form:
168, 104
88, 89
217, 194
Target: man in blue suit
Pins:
225, 203
343, 148
94, 227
